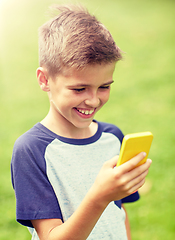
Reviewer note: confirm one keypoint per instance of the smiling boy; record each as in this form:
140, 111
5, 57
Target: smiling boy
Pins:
63, 169
75, 99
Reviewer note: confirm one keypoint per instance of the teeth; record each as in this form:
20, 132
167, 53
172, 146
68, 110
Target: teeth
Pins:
86, 112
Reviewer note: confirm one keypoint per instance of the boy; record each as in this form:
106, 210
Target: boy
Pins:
63, 169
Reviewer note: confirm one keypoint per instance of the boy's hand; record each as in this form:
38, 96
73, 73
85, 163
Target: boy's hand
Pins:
114, 183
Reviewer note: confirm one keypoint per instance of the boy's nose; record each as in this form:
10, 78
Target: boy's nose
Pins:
93, 101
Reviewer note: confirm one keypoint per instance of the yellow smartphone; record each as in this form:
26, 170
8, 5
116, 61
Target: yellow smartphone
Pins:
133, 144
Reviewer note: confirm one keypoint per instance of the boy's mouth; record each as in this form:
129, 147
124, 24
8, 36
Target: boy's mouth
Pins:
86, 112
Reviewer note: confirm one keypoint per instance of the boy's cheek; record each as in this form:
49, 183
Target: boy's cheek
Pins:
106, 98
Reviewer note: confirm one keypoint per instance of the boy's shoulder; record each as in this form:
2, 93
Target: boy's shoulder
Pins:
113, 129
31, 146
36, 136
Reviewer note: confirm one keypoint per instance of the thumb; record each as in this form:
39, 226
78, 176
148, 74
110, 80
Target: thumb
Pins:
112, 162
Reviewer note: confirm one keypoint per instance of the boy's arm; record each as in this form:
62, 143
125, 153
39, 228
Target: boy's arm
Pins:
127, 224
111, 184
78, 226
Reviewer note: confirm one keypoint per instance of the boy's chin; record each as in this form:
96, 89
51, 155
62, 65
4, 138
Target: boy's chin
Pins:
83, 125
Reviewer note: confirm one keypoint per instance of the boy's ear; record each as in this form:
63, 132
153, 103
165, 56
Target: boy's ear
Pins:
42, 76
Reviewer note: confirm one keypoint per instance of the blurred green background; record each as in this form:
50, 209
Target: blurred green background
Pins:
142, 98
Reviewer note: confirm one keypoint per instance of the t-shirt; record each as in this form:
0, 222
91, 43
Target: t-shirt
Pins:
52, 174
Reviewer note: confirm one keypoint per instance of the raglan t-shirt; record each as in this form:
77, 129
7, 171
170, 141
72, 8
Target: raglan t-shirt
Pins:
51, 175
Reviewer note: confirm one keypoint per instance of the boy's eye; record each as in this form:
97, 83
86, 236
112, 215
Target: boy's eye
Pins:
105, 87
79, 89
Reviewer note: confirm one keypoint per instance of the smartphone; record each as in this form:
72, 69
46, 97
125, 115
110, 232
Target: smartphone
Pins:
133, 144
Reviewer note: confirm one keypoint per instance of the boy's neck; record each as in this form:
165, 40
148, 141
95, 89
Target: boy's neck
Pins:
71, 132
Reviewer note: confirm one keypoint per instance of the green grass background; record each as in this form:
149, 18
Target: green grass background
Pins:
142, 98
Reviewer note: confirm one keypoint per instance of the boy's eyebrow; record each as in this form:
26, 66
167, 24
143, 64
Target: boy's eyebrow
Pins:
108, 83
86, 85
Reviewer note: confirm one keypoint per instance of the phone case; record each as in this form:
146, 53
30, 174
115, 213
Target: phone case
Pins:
133, 144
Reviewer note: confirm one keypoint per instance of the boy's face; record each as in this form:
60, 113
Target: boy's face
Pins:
76, 98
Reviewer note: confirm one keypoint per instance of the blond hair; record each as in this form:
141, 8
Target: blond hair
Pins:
74, 39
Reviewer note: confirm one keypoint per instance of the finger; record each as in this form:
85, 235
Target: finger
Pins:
132, 163
137, 186
137, 179
138, 171
140, 180
138, 174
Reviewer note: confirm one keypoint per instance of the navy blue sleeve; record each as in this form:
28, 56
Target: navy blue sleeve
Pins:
110, 128
131, 198
35, 198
